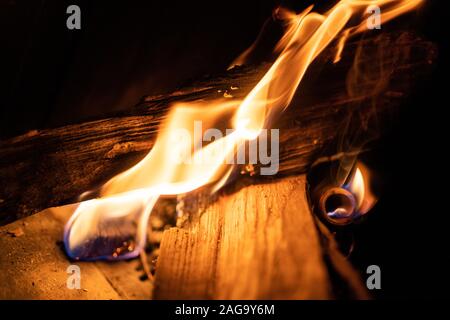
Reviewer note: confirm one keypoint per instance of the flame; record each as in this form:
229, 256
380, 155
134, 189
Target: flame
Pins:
115, 225
348, 201
359, 185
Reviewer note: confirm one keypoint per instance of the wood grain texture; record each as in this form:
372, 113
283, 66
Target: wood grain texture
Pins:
261, 242
51, 167
34, 265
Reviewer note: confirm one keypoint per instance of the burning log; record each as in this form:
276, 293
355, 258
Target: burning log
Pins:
52, 167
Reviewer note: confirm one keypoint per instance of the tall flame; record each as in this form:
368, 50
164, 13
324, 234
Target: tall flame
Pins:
114, 226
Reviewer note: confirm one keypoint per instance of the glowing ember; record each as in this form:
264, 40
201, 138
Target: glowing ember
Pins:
114, 227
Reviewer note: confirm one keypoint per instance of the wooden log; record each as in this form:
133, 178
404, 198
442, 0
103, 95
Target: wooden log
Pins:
51, 167
261, 242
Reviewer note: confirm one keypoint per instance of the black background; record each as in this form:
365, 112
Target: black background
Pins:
52, 76
407, 232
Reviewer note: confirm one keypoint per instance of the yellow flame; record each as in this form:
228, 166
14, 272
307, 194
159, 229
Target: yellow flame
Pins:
359, 186
135, 191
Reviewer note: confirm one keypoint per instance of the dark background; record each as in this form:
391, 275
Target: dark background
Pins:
52, 76
123, 51
407, 233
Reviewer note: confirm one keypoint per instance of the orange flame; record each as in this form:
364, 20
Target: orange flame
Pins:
120, 217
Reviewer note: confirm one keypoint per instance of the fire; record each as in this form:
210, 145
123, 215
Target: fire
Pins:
359, 187
114, 226
341, 192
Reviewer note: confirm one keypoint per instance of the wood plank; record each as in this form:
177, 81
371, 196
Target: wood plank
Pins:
261, 242
34, 265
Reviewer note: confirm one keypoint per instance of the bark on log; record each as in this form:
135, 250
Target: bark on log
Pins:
261, 242
51, 167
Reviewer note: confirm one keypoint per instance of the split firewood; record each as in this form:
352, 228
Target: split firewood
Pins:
34, 265
260, 242
50, 167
